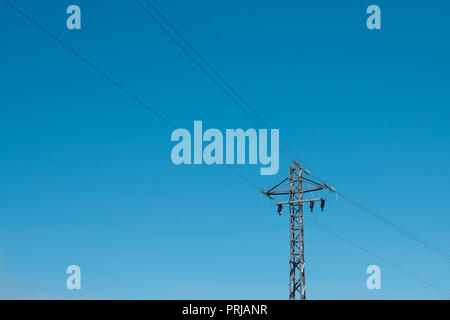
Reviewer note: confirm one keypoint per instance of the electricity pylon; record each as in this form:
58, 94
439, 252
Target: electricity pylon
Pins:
296, 185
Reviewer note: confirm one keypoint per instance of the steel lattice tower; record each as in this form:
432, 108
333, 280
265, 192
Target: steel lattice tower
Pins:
296, 185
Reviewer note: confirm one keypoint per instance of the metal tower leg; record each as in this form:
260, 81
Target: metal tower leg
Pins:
297, 257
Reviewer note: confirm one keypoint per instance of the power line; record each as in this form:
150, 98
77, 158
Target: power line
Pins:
222, 84
201, 57
399, 229
109, 78
354, 244
189, 55
134, 97
239, 97
90, 64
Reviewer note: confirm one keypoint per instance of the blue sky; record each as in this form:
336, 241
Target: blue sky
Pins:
86, 175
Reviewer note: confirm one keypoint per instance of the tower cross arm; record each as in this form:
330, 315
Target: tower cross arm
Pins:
300, 201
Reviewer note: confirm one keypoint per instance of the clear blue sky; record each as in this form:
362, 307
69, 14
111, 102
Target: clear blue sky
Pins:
86, 176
